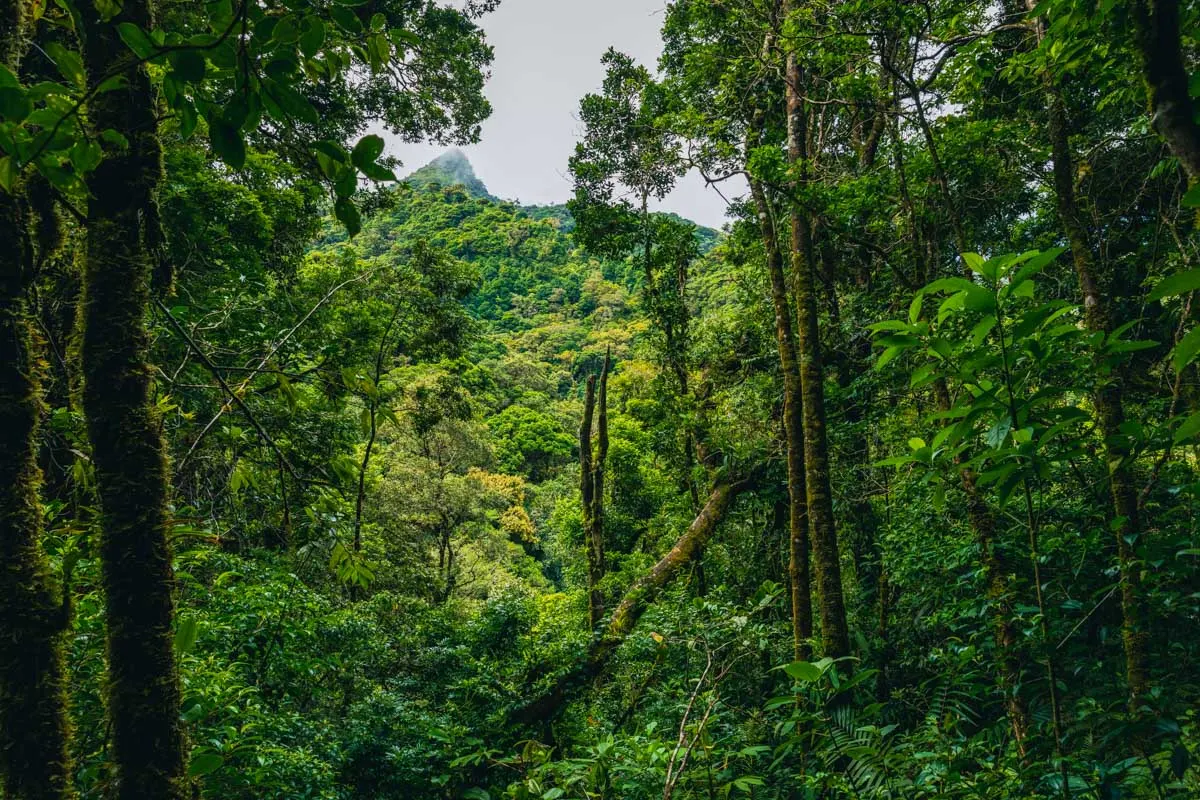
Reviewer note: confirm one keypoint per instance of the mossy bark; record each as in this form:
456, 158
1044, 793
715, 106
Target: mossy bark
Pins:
835, 636
127, 446
1109, 406
34, 728
793, 426
591, 488
635, 602
1156, 27
996, 573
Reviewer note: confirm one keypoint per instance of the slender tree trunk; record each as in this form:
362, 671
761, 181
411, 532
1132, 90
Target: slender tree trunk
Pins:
34, 729
127, 447
823, 531
793, 424
1156, 24
596, 534
361, 494
1109, 406
591, 488
979, 514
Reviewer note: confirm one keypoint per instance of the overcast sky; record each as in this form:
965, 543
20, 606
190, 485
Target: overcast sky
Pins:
548, 57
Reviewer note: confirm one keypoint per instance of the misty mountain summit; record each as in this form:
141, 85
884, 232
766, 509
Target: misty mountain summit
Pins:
451, 168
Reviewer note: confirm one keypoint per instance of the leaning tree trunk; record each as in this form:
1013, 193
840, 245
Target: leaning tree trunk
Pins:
835, 636
635, 602
127, 446
34, 729
1109, 406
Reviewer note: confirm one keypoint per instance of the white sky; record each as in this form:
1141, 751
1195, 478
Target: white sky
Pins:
547, 58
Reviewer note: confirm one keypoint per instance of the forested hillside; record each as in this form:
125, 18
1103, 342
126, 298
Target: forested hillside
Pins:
320, 481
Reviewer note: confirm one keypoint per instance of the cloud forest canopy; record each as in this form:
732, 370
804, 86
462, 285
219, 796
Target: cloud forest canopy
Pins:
316, 483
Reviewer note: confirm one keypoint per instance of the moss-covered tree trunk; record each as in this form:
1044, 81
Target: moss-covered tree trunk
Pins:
591, 487
793, 427
1156, 26
127, 445
1110, 408
34, 764
981, 517
635, 602
835, 636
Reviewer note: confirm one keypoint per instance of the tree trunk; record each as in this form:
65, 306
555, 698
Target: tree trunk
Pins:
127, 446
980, 515
1109, 406
1156, 23
793, 427
635, 602
591, 488
34, 729
823, 531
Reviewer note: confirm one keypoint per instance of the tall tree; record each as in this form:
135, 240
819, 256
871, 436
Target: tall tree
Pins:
835, 633
34, 764
591, 469
127, 447
1172, 111
1110, 407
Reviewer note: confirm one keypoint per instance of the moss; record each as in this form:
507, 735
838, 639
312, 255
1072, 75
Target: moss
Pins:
127, 446
33, 721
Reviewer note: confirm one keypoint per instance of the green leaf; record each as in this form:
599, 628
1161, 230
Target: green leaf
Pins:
69, 63
1191, 199
8, 173
804, 671
367, 151
108, 8
204, 764
8, 78
948, 285
998, 433
922, 376
85, 156
978, 265
347, 214
1185, 351
982, 329
136, 40
15, 105
188, 65
346, 182
1177, 284
378, 172
1035, 265
286, 31
292, 102
914, 308
227, 143
1187, 430
346, 19
114, 138
312, 36
980, 299
185, 634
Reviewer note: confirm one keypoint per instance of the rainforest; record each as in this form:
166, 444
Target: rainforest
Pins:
331, 474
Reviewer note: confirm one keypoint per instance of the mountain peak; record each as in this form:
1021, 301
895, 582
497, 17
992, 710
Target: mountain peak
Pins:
451, 168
